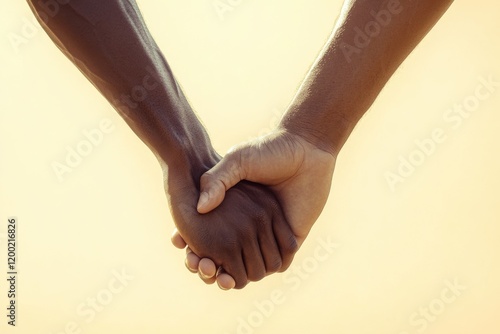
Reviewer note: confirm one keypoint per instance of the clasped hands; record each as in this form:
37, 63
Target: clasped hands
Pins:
242, 216
250, 211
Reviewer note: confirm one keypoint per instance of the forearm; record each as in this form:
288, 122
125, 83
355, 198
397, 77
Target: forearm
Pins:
352, 69
111, 45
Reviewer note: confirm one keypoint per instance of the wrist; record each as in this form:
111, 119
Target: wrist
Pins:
176, 137
325, 127
184, 161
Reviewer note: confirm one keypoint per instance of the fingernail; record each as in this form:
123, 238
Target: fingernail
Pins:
203, 275
188, 267
203, 199
222, 288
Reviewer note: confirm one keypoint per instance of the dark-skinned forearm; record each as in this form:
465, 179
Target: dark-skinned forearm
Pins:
111, 45
351, 70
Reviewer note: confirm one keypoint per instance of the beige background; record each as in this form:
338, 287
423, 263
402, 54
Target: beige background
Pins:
396, 249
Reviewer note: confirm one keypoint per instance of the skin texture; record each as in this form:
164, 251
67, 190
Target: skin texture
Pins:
340, 87
109, 43
300, 177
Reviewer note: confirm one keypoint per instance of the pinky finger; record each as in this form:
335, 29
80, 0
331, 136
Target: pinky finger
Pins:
177, 240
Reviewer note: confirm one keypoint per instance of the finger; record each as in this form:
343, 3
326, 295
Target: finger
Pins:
215, 182
236, 269
287, 243
254, 263
270, 252
193, 264
192, 261
177, 240
225, 281
207, 268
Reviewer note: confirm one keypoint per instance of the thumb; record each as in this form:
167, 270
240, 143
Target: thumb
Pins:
215, 182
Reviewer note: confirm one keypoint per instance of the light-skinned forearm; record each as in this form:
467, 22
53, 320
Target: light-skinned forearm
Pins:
370, 40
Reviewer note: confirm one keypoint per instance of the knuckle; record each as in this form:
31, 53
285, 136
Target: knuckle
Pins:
285, 267
291, 247
275, 265
205, 178
257, 275
225, 247
235, 170
244, 158
261, 217
240, 280
274, 205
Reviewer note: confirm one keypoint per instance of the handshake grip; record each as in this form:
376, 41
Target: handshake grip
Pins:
242, 230
297, 175
215, 182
